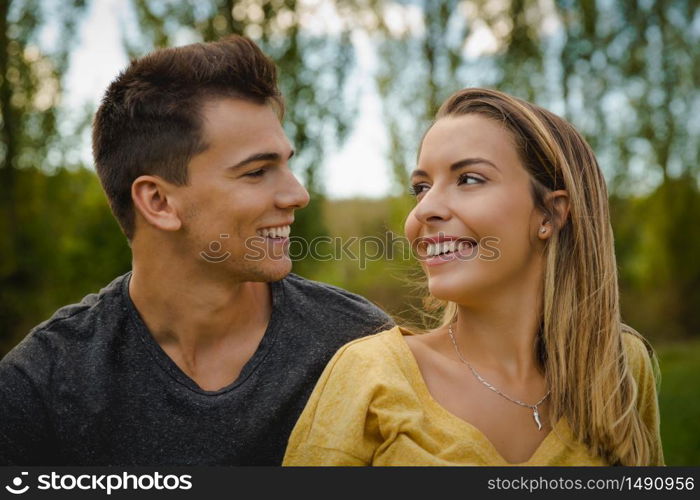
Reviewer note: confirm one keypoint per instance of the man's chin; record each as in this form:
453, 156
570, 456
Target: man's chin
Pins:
278, 275
274, 272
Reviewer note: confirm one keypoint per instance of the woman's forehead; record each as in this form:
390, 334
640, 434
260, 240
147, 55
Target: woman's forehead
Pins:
453, 138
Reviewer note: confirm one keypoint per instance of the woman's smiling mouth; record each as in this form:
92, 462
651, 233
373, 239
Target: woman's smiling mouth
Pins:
442, 249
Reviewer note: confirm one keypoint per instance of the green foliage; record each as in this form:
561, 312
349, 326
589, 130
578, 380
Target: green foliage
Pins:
679, 403
68, 245
657, 244
370, 255
30, 78
416, 75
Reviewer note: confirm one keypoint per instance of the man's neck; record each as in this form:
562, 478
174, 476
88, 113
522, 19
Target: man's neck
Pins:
197, 321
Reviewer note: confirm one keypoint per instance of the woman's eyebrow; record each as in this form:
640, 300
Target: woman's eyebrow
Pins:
471, 161
457, 165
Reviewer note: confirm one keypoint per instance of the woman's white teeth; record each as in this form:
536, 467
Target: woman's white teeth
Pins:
275, 232
446, 247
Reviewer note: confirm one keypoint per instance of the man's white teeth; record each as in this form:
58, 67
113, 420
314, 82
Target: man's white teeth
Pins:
275, 232
446, 247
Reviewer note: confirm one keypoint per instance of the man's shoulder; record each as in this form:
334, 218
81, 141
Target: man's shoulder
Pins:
70, 324
324, 294
332, 308
74, 315
313, 287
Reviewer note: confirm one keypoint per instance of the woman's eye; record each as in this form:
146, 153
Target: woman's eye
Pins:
417, 189
470, 179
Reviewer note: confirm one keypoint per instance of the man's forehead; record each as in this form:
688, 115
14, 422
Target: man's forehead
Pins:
236, 133
237, 118
243, 104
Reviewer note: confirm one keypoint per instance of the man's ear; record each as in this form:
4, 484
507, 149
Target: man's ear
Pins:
151, 197
557, 203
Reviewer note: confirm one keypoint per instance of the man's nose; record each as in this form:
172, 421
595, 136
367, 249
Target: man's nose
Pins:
292, 194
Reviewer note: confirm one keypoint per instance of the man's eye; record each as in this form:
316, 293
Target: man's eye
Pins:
256, 173
417, 189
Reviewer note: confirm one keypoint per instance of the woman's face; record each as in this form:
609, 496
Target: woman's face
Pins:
471, 186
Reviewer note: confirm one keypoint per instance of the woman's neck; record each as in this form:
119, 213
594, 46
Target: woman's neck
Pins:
501, 332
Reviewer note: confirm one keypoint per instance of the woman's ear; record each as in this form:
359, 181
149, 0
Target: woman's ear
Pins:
150, 195
558, 207
559, 203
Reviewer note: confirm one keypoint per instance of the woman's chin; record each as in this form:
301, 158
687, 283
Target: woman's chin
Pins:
450, 289
442, 291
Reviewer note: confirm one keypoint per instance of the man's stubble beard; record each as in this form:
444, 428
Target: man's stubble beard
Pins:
236, 268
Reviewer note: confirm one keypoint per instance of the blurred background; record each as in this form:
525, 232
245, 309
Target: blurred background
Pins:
362, 80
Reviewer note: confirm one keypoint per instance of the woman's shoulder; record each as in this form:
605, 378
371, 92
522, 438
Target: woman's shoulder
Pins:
638, 351
372, 346
382, 352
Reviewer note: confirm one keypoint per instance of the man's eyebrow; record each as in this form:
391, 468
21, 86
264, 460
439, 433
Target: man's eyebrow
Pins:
259, 157
457, 165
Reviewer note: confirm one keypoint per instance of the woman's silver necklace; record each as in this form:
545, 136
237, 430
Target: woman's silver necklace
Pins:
535, 411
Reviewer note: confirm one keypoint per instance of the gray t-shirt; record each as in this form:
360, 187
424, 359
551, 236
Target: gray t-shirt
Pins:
91, 386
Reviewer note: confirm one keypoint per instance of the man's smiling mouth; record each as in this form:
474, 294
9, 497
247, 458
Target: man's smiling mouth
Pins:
275, 232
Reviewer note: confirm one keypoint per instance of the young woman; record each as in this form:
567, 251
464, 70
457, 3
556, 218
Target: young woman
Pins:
531, 365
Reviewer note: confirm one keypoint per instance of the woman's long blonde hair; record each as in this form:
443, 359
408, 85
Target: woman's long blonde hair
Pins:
580, 341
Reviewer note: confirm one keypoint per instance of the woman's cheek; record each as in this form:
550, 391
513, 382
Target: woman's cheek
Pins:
411, 227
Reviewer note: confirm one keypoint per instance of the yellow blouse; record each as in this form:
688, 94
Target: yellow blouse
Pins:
371, 406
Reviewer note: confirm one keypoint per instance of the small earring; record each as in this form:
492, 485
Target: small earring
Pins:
543, 230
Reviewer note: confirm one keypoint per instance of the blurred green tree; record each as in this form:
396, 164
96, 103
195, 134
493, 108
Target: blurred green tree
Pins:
630, 75
43, 206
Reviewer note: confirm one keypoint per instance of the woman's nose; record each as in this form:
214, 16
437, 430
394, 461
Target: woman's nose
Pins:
432, 208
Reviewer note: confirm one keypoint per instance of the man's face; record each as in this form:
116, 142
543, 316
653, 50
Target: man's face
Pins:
240, 200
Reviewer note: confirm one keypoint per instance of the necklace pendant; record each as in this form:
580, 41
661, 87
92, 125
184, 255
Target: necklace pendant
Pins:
536, 416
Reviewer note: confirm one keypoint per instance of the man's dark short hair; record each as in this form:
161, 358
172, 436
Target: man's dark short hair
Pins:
150, 119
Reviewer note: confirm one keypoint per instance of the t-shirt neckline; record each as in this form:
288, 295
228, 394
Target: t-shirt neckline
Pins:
170, 367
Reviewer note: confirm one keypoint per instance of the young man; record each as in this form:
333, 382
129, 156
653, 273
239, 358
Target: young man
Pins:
206, 352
